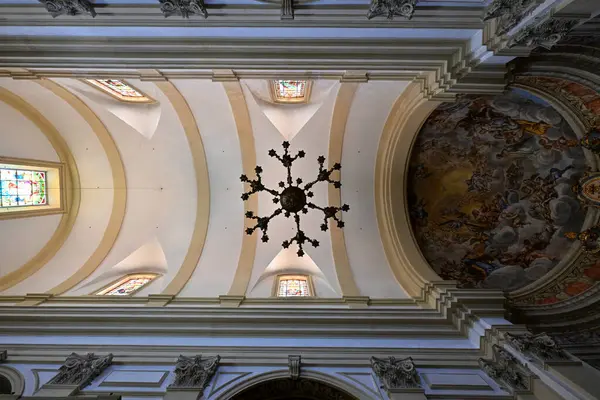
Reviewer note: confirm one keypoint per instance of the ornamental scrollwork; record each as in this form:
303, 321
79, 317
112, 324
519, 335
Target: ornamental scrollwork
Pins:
509, 13
392, 8
506, 370
194, 372
540, 347
68, 7
545, 34
81, 370
183, 8
396, 374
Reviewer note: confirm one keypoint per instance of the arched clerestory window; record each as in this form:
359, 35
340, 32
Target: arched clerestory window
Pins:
127, 285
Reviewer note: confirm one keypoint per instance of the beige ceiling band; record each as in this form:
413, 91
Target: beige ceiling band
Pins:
71, 192
119, 186
248, 151
190, 127
403, 124
341, 110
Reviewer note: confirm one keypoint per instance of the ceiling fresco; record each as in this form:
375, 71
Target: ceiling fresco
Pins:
490, 190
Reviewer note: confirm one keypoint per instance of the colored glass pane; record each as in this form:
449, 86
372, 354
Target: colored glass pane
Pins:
290, 287
290, 90
120, 90
19, 187
127, 286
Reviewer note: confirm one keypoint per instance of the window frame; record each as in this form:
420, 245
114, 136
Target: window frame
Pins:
276, 99
123, 279
56, 196
281, 277
100, 87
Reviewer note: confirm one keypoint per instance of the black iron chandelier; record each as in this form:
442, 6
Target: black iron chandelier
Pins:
293, 198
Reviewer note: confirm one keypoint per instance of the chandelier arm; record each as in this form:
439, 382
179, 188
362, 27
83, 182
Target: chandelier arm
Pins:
289, 175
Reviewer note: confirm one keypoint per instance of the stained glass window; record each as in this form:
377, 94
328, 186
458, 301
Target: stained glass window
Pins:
128, 285
120, 89
293, 286
21, 187
285, 91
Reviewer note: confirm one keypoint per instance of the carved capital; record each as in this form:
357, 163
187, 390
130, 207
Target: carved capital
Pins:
68, 7
81, 370
294, 366
396, 374
287, 9
545, 33
506, 370
392, 8
194, 372
541, 347
184, 8
509, 13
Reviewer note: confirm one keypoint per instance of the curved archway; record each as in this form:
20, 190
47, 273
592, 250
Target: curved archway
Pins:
288, 389
11, 381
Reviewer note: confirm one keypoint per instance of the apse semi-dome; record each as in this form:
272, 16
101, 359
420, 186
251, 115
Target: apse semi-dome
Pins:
490, 190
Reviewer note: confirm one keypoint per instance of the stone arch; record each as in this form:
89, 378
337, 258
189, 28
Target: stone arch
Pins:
11, 381
310, 386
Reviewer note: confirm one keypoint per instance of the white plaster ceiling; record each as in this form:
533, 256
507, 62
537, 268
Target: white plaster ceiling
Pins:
161, 188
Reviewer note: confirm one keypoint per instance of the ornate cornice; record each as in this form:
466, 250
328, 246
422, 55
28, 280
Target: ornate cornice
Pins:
69, 7
541, 347
81, 370
392, 8
509, 13
194, 372
506, 370
183, 8
544, 32
396, 373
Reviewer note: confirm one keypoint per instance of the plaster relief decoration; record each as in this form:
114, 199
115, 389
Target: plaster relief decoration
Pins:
81, 370
396, 374
509, 13
545, 33
490, 190
583, 100
194, 372
506, 370
587, 190
293, 198
540, 347
184, 8
392, 8
68, 7
294, 366
287, 9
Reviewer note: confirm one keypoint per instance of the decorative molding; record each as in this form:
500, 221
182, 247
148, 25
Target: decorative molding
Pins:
509, 13
506, 370
3, 355
392, 8
69, 7
287, 9
81, 370
396, 374
194, 372
545, 33
540, 346
294, 366
184, 8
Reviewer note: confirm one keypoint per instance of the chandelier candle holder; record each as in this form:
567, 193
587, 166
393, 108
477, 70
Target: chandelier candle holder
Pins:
293, 198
